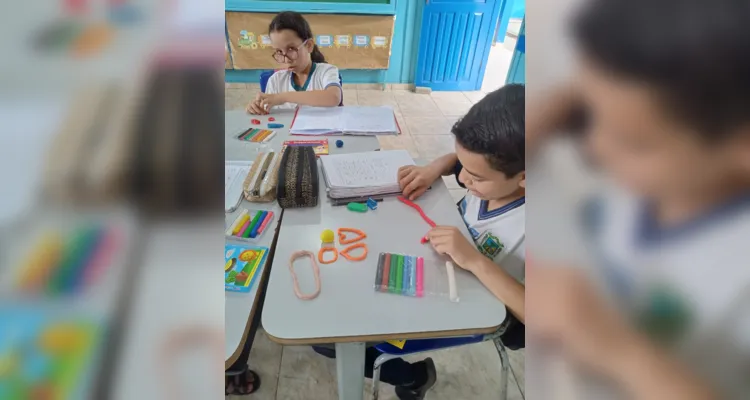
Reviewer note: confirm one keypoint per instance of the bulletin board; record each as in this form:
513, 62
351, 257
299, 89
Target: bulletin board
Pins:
346, 41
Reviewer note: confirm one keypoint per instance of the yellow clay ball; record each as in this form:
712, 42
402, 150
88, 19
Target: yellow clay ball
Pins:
326, 236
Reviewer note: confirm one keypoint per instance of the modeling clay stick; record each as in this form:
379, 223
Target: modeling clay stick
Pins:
413, 276
400, 273
420, 276
257, 221
379, 273
407, 279
269, 137
386, 272
243, 228
96, 241
262, 136
393, 272
102, 257
248, 133
237, 224
40, 262
265, 222
71, 256
452, 291
253, 222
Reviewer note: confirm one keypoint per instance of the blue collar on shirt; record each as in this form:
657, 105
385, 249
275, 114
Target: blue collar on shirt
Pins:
307, 82
650, 233
484, 214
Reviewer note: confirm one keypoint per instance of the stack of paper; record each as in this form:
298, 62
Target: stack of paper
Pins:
373, 173
234, 176
349, 120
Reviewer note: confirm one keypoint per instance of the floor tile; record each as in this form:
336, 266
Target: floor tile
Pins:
474, 97
457, 194
306, 375
416, 105
452, 103
403, 141
376, 98
518, 365
432, 147
350, 97
435, 125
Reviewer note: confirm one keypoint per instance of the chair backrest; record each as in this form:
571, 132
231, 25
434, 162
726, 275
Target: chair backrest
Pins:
266, 75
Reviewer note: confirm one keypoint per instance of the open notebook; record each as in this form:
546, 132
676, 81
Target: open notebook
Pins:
347, 120
374, 173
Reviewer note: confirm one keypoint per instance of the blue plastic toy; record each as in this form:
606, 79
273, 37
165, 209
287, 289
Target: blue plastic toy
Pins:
339, 143
273, 126
372, 204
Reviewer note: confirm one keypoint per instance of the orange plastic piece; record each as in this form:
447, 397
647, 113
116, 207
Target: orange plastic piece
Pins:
344, 240
323, 250
346, 251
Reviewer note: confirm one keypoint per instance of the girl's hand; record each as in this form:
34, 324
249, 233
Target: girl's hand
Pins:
267, 101
415, 180
255, 107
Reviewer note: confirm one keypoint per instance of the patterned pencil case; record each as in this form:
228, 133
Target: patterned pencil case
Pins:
260, 183
298, 178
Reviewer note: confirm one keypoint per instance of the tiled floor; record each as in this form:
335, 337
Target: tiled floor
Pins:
295, 372
470, 372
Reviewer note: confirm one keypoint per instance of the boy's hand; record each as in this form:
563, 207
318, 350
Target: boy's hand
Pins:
254, 107
563, 306
271, 100
415, 180
449, 240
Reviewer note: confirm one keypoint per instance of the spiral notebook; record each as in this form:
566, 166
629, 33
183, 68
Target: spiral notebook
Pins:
373, 173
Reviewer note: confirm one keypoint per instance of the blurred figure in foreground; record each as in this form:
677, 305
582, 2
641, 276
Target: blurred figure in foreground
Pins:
663, 96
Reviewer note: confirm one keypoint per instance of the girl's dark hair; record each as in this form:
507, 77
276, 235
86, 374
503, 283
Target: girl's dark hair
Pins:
296, 22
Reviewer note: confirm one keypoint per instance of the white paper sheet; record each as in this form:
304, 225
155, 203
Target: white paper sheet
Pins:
234, 175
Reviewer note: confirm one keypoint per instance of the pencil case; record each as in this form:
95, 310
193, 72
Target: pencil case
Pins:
260, 183
298, 178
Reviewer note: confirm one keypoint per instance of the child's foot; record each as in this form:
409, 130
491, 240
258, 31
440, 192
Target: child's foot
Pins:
418, 390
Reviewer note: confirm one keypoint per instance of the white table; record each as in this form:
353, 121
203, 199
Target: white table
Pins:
240, 308
348, 311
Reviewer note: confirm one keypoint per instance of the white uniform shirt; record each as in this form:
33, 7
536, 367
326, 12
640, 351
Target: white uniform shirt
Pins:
687, 288
321, 76
498, 234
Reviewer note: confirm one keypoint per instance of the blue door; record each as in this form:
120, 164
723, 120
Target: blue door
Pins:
517, 70
454, 43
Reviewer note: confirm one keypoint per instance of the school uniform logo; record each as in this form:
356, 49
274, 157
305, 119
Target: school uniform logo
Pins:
490, 245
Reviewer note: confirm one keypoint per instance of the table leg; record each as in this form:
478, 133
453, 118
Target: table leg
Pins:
350, 370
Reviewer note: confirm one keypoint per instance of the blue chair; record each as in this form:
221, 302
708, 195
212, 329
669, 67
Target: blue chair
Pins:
391, 352
266, 75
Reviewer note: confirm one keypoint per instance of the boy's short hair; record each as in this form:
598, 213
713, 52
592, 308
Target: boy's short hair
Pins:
495, 128
695, 54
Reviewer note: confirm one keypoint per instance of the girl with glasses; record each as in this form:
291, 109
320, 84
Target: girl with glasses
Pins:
304, 78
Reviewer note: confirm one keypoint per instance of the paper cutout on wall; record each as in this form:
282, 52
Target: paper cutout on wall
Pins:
250, 48
379, 42
361, 40
324, 41
265, 41
247, 40
343, 41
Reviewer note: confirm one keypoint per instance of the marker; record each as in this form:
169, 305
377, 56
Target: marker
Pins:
257, 222
420, 277
265, 222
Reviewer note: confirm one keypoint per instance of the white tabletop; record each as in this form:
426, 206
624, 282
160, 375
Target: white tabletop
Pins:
239, 307
348, 309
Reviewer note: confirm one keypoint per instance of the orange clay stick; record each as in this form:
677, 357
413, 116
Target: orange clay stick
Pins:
346, 251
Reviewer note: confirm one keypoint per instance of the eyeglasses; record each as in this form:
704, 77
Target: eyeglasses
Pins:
291, 53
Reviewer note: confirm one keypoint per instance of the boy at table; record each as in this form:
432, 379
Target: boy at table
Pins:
670, 130
489, 162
